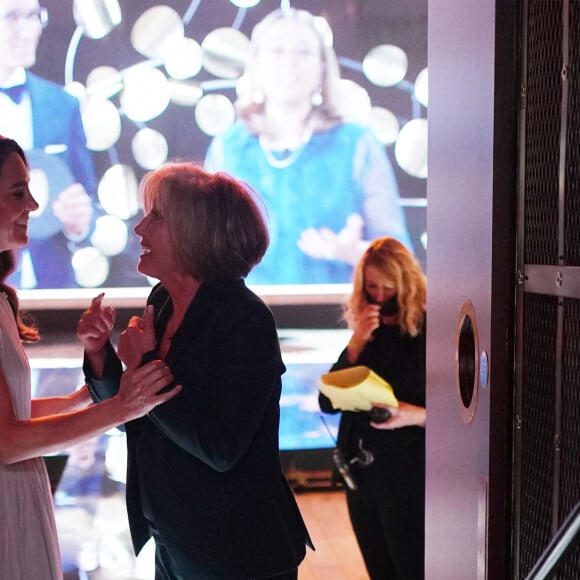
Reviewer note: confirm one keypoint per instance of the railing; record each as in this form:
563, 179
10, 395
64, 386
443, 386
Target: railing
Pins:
561, 543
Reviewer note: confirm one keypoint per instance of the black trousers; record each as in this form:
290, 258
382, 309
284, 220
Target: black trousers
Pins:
387, 513
165, 568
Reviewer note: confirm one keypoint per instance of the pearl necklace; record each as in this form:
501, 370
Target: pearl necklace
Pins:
289, 155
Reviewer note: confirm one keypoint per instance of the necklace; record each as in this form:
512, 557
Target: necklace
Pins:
285, 157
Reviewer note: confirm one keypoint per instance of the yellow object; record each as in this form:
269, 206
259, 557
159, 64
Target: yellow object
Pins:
356, 389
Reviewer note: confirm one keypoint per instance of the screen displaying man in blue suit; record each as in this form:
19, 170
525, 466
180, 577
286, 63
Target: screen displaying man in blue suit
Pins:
46, 120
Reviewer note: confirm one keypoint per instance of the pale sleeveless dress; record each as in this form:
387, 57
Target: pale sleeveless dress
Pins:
28, 541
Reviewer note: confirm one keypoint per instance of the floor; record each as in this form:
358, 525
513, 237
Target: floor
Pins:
89, 499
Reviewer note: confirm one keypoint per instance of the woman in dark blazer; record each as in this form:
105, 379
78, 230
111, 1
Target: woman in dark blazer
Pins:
204, 475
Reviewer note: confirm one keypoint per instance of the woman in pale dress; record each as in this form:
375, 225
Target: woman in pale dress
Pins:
29, 428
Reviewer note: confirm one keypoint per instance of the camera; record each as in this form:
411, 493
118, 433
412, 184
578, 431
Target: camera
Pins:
364, 458
379, 414
344, 469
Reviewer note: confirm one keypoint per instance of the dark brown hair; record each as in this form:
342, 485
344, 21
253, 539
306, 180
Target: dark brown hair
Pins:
27, 332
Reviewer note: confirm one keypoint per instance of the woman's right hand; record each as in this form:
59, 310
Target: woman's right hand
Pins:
138, 338
363, 327
366, 323
96, 325
139, 391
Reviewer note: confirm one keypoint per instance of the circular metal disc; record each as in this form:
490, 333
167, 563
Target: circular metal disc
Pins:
156, 30
385, 125
422, 88
185, 93
355, 102
184, 60
110, 236
385, 65
90, 266
214, 114
225, 52
118, 191
97, 17
411, 148
104, 82
149, 148
146, 93
102, 124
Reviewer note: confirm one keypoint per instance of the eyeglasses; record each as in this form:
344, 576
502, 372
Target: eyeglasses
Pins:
38, 16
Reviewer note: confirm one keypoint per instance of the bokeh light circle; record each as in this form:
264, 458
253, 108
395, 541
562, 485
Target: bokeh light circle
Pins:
110, 236
150, 148
421, 90
385, 125
146, 93
97, 17
385, 65
184, 59
355, 102
104, 81
225, 52
214, 114
156, 31
411, 148
118, 191
91, 267
102, 124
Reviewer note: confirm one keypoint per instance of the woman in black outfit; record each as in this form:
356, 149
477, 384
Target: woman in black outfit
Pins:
204, 477
386, 312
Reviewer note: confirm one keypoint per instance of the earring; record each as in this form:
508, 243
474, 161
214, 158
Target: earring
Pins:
258, 97
316, 98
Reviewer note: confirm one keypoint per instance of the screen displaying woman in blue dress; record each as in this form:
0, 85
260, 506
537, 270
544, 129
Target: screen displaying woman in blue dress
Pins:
327, 182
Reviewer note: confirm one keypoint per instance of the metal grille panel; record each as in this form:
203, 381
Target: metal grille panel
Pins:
550, 365
572, 204
570, 435
538, 423
543, 112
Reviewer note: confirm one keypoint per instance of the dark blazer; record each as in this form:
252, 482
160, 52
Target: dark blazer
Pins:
56, 122
204, 467
57, 125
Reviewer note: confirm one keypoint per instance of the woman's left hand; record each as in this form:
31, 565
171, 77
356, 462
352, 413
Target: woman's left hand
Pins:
137, 339
405, 415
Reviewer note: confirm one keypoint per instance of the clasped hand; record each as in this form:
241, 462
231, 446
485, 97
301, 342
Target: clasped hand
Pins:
96, 326
140, 388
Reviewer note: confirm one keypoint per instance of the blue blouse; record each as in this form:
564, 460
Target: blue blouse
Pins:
338, 172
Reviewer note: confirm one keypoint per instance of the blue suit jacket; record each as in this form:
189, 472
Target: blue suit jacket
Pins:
204, 467
56, 123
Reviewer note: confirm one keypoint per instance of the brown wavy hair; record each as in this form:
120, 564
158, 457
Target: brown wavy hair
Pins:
27, 330
404, 271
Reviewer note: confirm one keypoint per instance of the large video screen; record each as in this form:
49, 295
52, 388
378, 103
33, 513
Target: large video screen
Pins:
319, 105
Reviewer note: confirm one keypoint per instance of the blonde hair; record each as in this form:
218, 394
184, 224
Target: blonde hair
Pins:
217, 223
324, 116
402, 269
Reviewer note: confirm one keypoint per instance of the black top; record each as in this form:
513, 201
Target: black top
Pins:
400, 360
